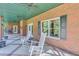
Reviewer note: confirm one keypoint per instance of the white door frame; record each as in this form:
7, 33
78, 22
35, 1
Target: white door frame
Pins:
28, 26
15, 29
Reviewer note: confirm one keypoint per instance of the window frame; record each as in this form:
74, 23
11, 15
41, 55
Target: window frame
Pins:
42, 24
49, 22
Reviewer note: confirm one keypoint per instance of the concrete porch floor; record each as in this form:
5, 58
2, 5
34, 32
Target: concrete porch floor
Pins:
15, 48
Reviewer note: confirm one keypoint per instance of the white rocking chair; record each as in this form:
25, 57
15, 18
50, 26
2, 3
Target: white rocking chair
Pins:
38, 48
24, 39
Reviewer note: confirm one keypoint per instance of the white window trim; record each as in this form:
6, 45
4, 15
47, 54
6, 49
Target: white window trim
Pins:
58, 38
31, 24
41, 25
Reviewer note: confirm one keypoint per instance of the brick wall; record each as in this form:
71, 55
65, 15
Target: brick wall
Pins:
72, 11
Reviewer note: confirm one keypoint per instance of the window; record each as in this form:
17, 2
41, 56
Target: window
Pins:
56, 27
39, 27
45, 27
51, 27
30, 28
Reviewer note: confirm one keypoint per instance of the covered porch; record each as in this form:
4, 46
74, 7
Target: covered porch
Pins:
14, 47
54, 19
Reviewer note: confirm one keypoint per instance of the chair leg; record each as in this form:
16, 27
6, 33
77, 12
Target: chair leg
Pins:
40, 52
31, 51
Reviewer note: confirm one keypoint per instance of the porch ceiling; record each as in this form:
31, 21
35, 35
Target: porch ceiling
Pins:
17, 11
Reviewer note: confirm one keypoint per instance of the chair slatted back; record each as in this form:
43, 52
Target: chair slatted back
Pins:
42, 39
28, 35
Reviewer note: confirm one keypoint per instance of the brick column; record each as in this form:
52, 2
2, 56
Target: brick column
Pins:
22, 28
1, 27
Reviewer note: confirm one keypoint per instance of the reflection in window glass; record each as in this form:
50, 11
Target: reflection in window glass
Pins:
51, 27
45, 27
55, 28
